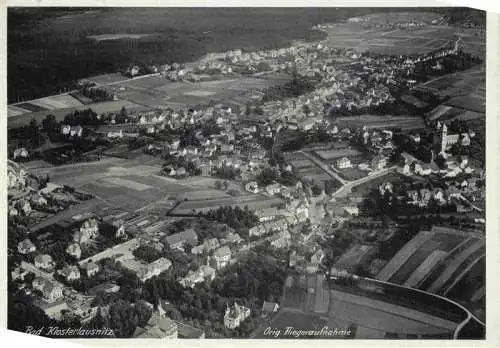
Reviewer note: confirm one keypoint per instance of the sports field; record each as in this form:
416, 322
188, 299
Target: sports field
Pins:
337, 153
253, 202
159, 92
405, 122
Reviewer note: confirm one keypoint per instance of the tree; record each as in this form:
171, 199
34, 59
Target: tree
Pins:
50, 124
143, 312
316, 190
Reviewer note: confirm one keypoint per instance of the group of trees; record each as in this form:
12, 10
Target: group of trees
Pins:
249, 283
85, 117
125, 317
181, 162
226, 172
449, 64
96, 94
296, 87
28, 136
270, 175
234, 217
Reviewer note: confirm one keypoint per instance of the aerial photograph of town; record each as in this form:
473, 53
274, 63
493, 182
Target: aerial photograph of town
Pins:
250, 173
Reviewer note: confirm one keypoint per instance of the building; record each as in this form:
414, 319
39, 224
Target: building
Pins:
280, 239
88, 230
70, 273
21, 153
273, 189
115, 134
257, 230
443, 140
91, 269
51, 291
385, 187
74, 250
379, 162
267, 214
207, 246
76, 131
26, 247
154, 269
252, 187
351, 211
343, 163
203, 273
178, 240
159, 326
235, 316
221, 257
44, 262
269, 308
425, 169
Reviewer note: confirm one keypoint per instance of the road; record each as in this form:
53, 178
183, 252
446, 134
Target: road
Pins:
324, 167
122, 81
346, 185
123, 248
345, 189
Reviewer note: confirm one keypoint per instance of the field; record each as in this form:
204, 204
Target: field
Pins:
355, 257
100, 108
352, 174
466, 89
385, 41
314, 173
253, 202
337, 153
378, 122
466, 92
305, 167
440, 261
345, 308
159, 92
467, 289
105, 37
61, 101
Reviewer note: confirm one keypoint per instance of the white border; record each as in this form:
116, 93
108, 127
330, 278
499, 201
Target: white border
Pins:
492, 173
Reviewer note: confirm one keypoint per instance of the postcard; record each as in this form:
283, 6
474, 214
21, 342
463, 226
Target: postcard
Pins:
271, 173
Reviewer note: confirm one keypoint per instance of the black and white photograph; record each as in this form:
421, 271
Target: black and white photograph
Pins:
246, 173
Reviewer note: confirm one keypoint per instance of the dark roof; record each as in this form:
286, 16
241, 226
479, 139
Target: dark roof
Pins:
185, 236
188, 331
268, 306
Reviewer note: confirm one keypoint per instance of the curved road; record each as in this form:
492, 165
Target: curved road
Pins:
460, 326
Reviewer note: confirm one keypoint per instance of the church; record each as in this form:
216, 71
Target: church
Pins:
443, 140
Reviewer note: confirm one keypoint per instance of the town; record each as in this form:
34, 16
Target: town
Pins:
217, 198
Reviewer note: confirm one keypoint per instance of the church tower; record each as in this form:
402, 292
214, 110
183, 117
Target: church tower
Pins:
444, 137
